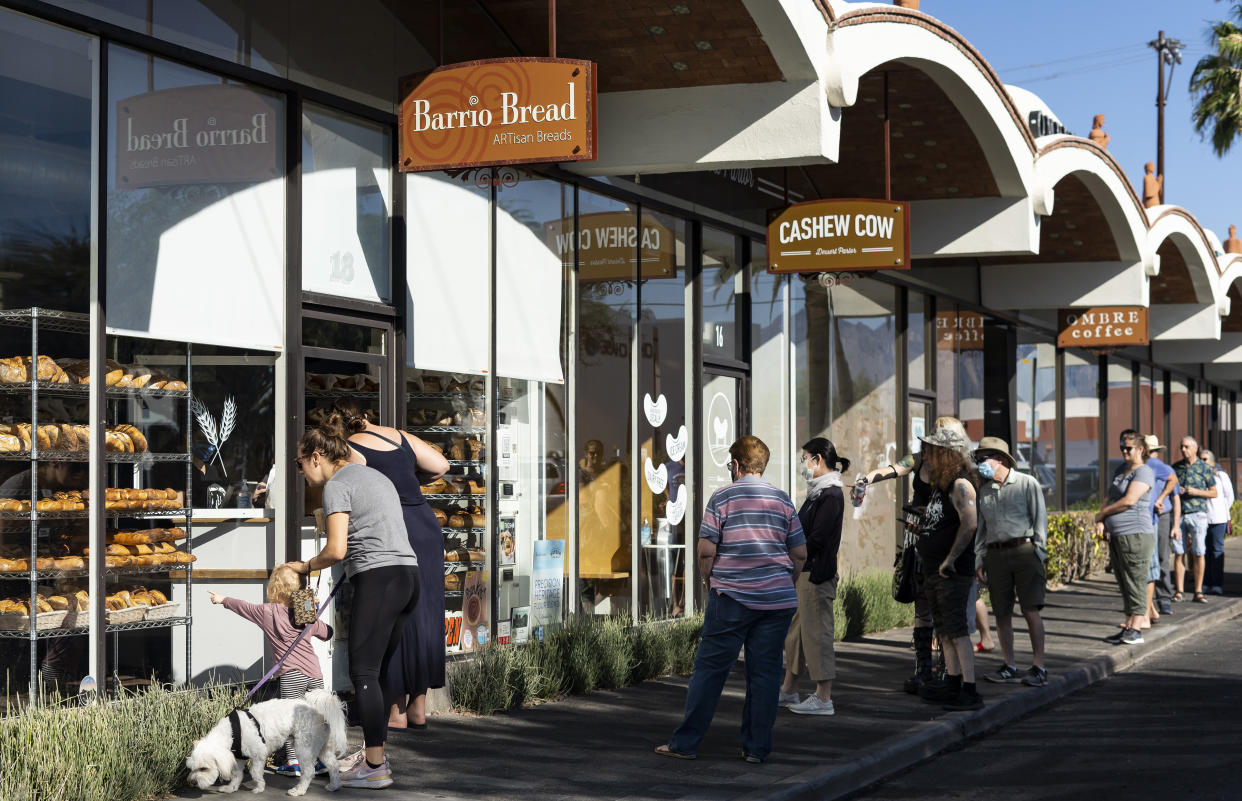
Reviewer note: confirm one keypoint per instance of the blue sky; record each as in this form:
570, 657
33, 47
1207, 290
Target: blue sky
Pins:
1085, 57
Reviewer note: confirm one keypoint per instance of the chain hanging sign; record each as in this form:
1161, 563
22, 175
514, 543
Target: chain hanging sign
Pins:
837, 235
498, 111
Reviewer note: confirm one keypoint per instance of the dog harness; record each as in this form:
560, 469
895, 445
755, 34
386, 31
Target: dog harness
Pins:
235, 723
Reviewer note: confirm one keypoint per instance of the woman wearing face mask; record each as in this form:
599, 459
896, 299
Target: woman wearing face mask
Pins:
809, 644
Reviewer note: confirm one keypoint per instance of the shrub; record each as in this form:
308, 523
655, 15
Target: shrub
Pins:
865, 604
1235, 519
58, 752
1074, 551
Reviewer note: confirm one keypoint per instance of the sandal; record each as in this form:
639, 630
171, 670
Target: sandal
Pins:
1200, 598
664, 750
1177, 596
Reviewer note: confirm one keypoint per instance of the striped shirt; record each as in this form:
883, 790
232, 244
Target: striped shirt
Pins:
754, 525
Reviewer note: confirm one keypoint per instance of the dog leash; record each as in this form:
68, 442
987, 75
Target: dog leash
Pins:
301, 636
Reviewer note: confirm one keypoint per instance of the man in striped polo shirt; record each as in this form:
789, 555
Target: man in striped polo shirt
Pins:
750, 548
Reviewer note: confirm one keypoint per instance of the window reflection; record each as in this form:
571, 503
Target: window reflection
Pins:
721, 279
45, 165
1035, 449
1082, 430
607, 307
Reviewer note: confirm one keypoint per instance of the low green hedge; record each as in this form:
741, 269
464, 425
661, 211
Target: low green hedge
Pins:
1074, 551
596, 654
127, 750
1235, 519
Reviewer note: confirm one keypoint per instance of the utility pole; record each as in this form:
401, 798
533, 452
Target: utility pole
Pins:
1168, 51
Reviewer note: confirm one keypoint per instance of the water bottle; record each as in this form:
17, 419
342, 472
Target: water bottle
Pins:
86, 691
858, 492
645, 532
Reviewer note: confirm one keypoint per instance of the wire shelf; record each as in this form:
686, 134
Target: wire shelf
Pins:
447, 430
463, 567
49, 319
20, 634
478, 397
456, 531
329, 394
83, 390
475, 464
148, 570
85, 456
444, 496
81, 514
454, 594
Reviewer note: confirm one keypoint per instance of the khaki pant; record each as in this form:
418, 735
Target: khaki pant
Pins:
809, 644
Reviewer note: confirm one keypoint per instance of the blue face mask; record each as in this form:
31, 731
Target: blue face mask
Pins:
986, 470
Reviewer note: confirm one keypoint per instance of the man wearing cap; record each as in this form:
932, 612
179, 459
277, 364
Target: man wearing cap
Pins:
1010, 548
1166, 512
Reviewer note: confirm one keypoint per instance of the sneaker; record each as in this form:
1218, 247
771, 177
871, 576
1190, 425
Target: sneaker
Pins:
290, 768
351, 761
1131, 637
363, 775
965, 702
787, 699
1116, 638
1035, 677
1166, 608
937, 694
320, 768
813, 705
1008, 674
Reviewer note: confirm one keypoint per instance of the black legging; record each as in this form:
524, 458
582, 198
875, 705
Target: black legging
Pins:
383, 598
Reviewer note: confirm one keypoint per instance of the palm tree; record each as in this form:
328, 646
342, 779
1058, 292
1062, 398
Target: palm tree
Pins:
1217, 84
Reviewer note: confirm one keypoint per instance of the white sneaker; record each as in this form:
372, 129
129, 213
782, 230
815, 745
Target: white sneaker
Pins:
813, 705
364, 776
787, 699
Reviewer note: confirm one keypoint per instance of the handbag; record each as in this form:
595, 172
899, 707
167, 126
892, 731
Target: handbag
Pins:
904, 569
304, 604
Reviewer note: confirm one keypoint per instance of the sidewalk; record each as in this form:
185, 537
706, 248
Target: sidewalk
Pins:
600, 746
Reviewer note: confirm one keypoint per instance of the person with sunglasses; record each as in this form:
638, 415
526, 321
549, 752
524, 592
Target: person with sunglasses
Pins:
1125, 522
366, 531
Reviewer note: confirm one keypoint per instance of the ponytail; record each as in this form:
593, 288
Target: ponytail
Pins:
345, 416
328, 440
825, 450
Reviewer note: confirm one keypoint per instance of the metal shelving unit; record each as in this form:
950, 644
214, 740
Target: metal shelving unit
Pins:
46, 320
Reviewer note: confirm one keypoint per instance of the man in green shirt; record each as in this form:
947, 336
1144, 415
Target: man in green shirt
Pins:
1010, 547
1198, 483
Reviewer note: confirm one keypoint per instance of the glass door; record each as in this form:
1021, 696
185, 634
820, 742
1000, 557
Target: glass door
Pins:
722, 417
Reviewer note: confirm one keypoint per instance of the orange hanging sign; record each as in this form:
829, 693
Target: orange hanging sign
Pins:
498, 111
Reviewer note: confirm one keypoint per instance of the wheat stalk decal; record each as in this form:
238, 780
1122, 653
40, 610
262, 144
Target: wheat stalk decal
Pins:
207, 424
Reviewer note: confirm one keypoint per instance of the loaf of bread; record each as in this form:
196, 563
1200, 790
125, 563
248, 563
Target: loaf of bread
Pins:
459, 520
436, 487
453, 582
70, 563
478, 520
441, 516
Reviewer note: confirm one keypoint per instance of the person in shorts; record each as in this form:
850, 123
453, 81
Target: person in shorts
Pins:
1198, 482
945, 547
1010, 549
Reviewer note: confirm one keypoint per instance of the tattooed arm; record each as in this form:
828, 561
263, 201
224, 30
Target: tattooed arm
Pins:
963, 497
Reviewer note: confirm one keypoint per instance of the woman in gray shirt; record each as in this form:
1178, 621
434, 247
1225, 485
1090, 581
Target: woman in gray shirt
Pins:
1125, 521
366, 531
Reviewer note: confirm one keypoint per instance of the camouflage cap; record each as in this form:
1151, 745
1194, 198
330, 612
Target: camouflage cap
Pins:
948, 438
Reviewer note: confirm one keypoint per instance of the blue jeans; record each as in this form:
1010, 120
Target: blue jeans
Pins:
727, 627
1214, 570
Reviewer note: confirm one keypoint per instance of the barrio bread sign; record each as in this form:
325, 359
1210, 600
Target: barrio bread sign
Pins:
198, 135
1108, 327
498, 111
834, 235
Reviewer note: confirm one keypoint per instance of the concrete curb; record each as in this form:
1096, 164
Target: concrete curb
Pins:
903, 751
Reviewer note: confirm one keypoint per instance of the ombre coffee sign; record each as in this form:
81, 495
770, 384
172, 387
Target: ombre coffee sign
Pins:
510, 111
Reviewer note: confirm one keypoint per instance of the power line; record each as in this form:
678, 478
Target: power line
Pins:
1094, 54
1077, 70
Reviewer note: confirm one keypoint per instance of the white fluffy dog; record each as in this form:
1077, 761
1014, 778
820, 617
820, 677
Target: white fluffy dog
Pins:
316, 723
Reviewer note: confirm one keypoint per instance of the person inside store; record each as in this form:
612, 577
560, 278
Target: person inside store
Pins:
946, 548
809, 644
406, 460
926, 670
1125, 523
365, 531
751, 547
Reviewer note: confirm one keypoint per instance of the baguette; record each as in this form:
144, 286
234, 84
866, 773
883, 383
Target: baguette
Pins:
138, 441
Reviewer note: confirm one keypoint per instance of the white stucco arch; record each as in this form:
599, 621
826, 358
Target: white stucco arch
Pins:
864, 38
1177, 224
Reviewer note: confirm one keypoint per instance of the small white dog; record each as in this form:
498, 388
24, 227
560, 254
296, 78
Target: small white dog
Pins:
316, 723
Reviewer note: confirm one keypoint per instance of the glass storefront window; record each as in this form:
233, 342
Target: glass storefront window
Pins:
1179, 411
1082, 430
947, 347
47, 147
1120, 410
1157, 407
722, 287
769, 366
607, 311
916, 336
534, 256
959, 368
662, 418
1036, 413
346, 206
196, 205
1146, 399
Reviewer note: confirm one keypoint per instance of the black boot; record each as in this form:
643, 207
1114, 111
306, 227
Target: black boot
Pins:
922, 661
